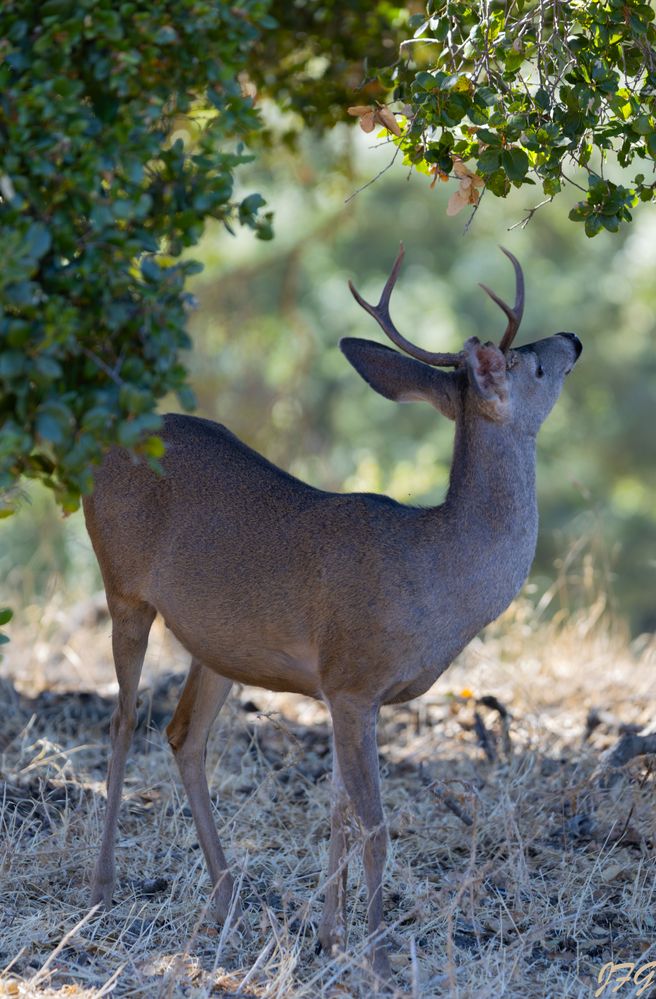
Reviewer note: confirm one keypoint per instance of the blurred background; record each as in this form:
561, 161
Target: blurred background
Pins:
266, 362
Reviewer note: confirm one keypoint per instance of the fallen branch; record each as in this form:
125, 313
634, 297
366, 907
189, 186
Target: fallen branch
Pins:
628, 747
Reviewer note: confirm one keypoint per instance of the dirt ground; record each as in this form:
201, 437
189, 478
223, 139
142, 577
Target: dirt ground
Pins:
520, 864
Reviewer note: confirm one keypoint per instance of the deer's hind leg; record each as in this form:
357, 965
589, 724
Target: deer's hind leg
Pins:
131, 623
202, 698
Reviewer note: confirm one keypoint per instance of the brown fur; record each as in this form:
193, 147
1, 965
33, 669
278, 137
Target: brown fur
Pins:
355, 599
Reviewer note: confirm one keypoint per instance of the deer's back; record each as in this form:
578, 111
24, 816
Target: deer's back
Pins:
255, 572
216, 498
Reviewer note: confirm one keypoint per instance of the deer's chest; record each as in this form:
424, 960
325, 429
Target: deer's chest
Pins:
447, 620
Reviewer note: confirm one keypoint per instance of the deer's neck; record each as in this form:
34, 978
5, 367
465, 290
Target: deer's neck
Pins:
492, 483
490, 516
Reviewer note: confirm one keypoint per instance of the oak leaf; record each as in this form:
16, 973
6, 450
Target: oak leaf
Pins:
468, 192
372, 116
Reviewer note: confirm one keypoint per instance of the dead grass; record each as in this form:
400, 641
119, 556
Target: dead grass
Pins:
518, 867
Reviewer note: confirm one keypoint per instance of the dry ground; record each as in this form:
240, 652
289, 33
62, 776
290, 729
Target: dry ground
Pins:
519, 865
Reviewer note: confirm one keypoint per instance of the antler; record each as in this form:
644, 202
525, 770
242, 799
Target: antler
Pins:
514, 314
381, 314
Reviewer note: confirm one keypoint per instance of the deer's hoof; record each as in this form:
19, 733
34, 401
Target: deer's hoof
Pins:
380, 963
102, 893
331, 937
241, 927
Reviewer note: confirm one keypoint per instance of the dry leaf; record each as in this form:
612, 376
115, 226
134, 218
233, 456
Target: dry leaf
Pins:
385, 117
612, 871
499, 924
370, 117
438, 175
468, 192
462, 171
457, 202
360, 109
366, 115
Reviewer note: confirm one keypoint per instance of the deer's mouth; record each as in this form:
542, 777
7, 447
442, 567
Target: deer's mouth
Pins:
576, 344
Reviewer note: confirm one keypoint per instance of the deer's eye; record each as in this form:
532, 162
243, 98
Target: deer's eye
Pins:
539, 371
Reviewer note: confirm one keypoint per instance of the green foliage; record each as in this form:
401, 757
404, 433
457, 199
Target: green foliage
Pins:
121, 125
5, 616
317, 56
527, 91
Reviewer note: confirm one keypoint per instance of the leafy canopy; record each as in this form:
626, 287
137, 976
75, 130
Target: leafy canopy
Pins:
119, 132
122, 124
526, 92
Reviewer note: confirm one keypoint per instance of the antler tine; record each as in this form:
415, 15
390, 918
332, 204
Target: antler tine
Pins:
514, 314
381, 314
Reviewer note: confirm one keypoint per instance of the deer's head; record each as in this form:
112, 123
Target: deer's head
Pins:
513, 387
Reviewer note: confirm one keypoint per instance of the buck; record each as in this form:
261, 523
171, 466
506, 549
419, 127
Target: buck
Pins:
354, 599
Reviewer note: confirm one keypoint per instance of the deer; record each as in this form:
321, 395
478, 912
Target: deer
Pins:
353, 599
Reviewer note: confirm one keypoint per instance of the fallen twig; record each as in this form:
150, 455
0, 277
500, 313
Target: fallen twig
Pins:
485, 738
451, 803
490, 701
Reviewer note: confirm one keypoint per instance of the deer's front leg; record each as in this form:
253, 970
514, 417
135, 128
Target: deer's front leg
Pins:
332, 928
354, 733
203, 697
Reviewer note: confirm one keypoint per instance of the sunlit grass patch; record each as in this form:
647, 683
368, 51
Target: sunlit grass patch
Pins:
515, 861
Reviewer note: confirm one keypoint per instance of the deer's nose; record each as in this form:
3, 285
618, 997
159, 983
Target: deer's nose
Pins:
578, 346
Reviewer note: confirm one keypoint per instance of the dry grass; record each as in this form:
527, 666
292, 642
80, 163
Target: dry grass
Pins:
517, 866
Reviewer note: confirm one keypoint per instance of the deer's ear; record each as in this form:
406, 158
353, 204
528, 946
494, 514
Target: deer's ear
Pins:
401, 378
486, 366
